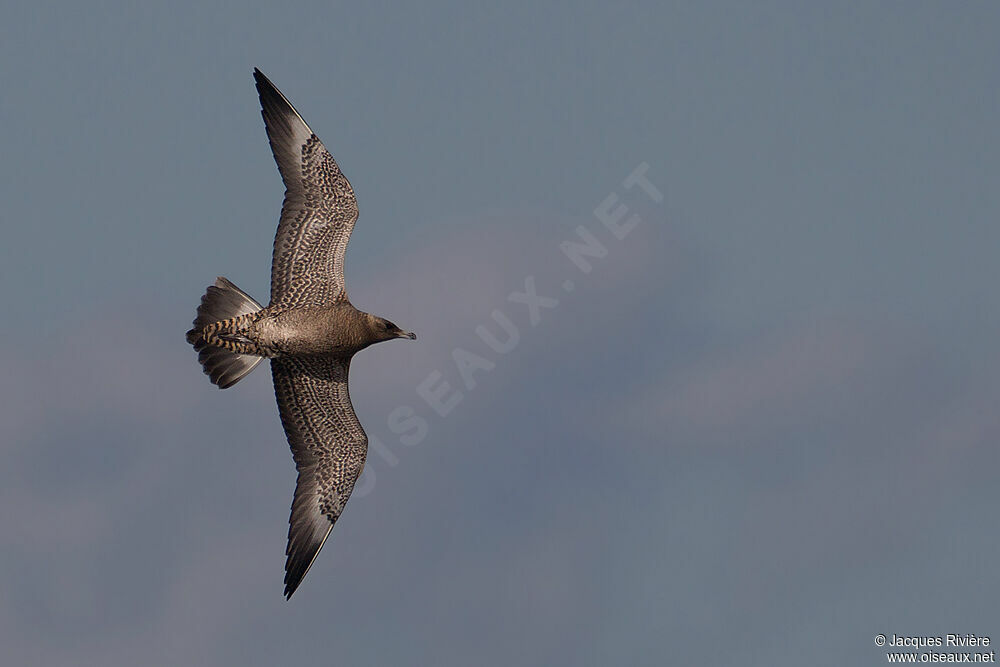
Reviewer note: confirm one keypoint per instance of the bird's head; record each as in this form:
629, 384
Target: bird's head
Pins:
386, 330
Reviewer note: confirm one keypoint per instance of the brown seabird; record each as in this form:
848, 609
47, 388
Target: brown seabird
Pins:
309, 330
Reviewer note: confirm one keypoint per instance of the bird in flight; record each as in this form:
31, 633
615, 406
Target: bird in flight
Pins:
309, 330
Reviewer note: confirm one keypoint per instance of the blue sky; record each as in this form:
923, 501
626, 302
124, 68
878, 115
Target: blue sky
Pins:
760, 430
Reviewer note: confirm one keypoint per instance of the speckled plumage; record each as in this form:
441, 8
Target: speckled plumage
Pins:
309, 330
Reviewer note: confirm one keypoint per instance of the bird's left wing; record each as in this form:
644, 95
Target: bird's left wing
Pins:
329, 447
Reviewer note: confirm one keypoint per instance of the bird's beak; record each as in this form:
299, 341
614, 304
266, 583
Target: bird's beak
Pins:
408, 334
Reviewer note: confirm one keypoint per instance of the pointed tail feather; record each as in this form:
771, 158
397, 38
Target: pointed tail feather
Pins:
222, 301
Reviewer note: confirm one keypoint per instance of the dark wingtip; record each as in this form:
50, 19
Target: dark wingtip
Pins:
292, 581
279, 114
264, 85
296, 567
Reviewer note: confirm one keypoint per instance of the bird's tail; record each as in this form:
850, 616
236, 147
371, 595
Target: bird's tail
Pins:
222, 308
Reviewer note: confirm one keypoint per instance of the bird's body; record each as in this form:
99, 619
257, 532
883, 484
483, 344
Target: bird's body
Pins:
309, 331
337, 329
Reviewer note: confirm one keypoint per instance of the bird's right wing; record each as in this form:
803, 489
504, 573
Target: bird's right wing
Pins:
318, 216
329, 448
